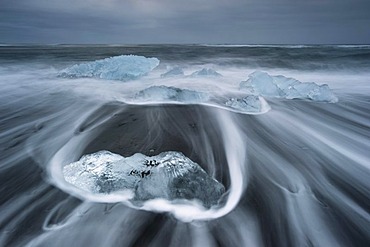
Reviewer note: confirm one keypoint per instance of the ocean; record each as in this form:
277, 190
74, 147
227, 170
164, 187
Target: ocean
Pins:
284, 129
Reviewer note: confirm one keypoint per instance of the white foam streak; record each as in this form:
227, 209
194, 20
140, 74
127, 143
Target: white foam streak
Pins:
329, 143
235, 147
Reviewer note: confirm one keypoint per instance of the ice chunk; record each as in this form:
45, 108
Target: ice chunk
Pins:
261, 83
250, 103
169, 175
176, 71
96, 173
164, 93
311, 91
206, 72
177, 177
114, 68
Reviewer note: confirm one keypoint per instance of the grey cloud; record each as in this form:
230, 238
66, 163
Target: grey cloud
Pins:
192, 21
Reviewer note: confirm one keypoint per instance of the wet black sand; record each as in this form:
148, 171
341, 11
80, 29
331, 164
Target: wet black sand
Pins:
294, 183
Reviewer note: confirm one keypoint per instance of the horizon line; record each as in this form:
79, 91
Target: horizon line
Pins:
184, 44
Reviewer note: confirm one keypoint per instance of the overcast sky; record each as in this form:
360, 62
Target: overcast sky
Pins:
185, 21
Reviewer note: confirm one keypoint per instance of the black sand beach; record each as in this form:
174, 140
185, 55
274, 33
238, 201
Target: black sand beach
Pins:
297, 175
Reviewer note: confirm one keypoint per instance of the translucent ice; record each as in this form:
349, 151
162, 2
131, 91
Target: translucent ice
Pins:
95, 173
206, 72
176, 71
114, 68
164, 93
250, 103
169, 175
261, 83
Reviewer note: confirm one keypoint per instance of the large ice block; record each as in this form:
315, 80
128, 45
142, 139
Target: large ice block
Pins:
125, 67
169, 175
261, 83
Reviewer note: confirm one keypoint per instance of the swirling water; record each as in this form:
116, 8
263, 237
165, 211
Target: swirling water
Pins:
297, 175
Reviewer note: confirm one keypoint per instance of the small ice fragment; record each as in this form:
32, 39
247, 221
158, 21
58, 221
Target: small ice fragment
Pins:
250, 103
164, 93
206, 72
114, 68
176, 71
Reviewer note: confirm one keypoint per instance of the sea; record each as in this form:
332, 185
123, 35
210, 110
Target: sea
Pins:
296, 173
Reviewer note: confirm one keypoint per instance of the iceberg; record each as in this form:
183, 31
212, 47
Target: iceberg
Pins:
250, 103
205, 72
176, 71
125, 67
164, 93
168, 175
261, 83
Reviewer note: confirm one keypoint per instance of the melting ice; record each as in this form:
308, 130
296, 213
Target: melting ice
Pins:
164, 93
261, 83
169, 175
206, 72
114, 68
176, 71
250, 103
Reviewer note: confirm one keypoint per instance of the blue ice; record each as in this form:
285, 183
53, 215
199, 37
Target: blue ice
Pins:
261, 83
123, 68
